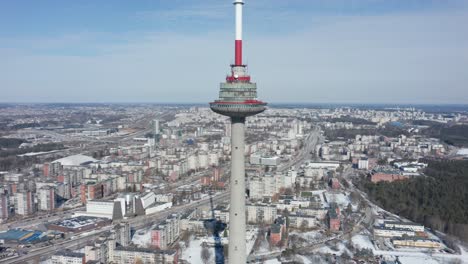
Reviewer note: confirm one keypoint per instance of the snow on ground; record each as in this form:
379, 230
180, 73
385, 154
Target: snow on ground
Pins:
318, 192
192, 254
142, 237
463, 151
264, 247
418, 260
251, 237
341, 199
305, 260
361, 242
272, 261
341, 249
310, 235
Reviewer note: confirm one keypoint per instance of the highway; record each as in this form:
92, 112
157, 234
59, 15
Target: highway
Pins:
310, 142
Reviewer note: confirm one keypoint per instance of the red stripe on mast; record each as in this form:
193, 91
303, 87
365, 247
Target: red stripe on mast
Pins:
238, 52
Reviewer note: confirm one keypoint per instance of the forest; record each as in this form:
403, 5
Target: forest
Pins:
438, 200
388, 131
456, 135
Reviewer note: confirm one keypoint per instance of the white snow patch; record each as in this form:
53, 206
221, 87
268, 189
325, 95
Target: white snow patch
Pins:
272, 261
192, 254
463, 151
417, 260
341, 249
362, 242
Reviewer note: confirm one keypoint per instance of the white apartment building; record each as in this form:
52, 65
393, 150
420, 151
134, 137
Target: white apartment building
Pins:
261, 213
300, 221
46, 198
390, 232
67, 257
363, 164
401, 225
130, 255
24, 203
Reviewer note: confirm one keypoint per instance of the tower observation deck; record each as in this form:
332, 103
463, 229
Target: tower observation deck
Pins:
238, 100
238, 95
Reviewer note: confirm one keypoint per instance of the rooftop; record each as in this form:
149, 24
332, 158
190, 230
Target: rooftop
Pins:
145, 250
75, 160
68, 253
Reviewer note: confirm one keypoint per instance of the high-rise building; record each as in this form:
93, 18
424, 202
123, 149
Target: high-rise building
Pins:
238, 100
122, 234
46, 198
156, 126
24, 203
166, 233
4, 206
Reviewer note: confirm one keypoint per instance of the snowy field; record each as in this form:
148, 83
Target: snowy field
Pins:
362, 242
341, 249
339, 198
192, 254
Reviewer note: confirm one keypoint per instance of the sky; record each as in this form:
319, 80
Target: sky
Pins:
304, 51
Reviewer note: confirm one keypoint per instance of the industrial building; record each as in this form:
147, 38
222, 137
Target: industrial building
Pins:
110, 209
79, 224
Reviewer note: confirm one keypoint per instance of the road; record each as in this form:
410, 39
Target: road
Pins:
310, 142
143, 221
136, 223
39, 219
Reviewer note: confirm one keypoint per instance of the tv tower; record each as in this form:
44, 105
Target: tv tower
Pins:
238, 99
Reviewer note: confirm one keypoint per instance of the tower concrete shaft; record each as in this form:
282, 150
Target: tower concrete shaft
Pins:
238, 100
237, 218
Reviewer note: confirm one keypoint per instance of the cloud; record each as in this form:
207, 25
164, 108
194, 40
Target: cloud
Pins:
401, 58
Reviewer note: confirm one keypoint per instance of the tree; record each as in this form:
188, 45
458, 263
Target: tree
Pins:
349, 209
205, 254
304, 225
382, 161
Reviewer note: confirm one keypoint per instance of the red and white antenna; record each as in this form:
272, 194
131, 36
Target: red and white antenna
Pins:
238, 52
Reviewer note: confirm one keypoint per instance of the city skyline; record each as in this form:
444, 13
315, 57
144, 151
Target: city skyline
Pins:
321, 52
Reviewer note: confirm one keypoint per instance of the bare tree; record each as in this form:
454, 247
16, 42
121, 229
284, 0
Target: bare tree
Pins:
304, 225
205, 254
